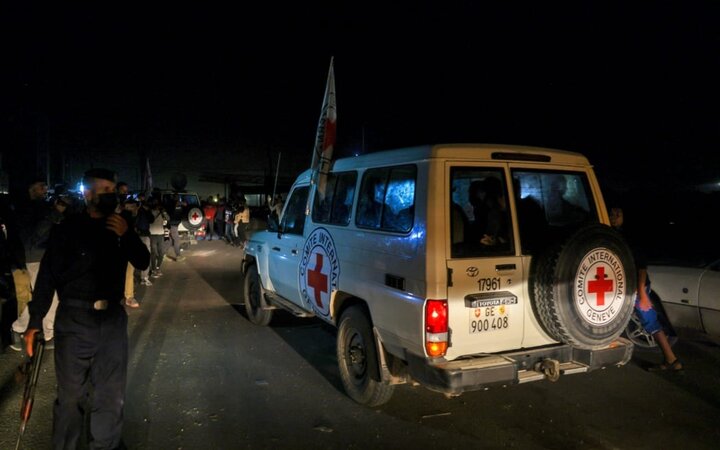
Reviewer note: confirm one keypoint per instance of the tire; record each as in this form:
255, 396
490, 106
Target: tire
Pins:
358, 360
191, 223
254, 300
568, 297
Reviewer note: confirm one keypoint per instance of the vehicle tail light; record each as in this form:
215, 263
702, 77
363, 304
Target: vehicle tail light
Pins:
436, 327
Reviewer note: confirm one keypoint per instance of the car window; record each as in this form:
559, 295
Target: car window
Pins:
185, 199
190, 199
551, 204
480, 221
293, 219
387, 199
336, 205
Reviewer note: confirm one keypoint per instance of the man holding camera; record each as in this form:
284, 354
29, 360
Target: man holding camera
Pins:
85, 262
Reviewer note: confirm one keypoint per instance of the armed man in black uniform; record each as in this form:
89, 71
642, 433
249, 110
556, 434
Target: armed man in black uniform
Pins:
85, 261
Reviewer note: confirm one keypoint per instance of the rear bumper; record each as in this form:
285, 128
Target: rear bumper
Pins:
456, 377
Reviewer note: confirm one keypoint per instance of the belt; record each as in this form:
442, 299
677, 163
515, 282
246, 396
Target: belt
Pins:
97, 305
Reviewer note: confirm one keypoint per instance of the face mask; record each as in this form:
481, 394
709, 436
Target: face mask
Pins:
106, 203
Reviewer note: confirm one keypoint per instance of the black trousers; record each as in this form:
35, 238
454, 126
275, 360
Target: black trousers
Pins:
91, 355
157, 250
210, 229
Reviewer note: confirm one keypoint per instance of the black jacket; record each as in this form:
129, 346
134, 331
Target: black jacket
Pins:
85, 261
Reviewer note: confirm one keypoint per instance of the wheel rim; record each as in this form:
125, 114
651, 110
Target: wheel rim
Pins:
356, 356
637, 334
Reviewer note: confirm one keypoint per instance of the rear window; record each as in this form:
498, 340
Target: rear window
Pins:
387, 199
186, 199
551, 204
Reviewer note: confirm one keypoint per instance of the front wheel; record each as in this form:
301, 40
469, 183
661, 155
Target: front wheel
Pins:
253, 299
358, 360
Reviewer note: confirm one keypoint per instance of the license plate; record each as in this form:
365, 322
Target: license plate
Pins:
488, 319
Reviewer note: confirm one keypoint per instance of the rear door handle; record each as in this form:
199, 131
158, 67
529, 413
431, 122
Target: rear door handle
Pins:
504, 267
293, 251
276, 249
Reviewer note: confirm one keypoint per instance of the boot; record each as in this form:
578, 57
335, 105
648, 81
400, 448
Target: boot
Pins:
17, 341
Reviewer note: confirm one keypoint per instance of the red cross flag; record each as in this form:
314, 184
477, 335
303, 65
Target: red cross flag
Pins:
325, 137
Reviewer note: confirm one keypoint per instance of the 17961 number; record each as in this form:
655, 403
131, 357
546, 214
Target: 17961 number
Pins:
489, 284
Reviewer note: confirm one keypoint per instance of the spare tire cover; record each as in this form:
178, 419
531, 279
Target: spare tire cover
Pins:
194, 218
583, 288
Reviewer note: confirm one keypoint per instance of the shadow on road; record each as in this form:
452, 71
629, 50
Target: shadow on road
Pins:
312, 339
151, 319
701, 368
9, 387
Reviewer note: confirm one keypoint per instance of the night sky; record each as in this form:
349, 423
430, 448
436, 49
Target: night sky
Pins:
621, 83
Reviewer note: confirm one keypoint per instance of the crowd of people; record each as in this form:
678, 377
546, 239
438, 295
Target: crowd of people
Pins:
26, 223
69, 265
226, 219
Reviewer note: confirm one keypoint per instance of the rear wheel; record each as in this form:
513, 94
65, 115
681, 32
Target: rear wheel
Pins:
253, 299
358, 360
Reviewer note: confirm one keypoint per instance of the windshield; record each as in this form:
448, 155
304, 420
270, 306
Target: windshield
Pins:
185, 199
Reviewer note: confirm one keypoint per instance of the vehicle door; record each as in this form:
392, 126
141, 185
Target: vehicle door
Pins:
485, 272
709, 299
286, 249
550, 204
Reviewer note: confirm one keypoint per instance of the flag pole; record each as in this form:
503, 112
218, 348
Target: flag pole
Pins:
324, 139
147, 178
327, 112
277, 172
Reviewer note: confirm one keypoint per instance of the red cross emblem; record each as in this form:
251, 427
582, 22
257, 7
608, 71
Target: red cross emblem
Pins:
317, 280
195, 216
600, 286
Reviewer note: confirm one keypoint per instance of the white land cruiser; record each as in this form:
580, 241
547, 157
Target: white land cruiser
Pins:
456, 266
189, 218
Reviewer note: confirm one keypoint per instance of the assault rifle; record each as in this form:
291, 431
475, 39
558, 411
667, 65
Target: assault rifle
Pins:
32, 368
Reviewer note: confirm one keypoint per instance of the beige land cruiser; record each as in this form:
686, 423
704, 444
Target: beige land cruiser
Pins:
454, 266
